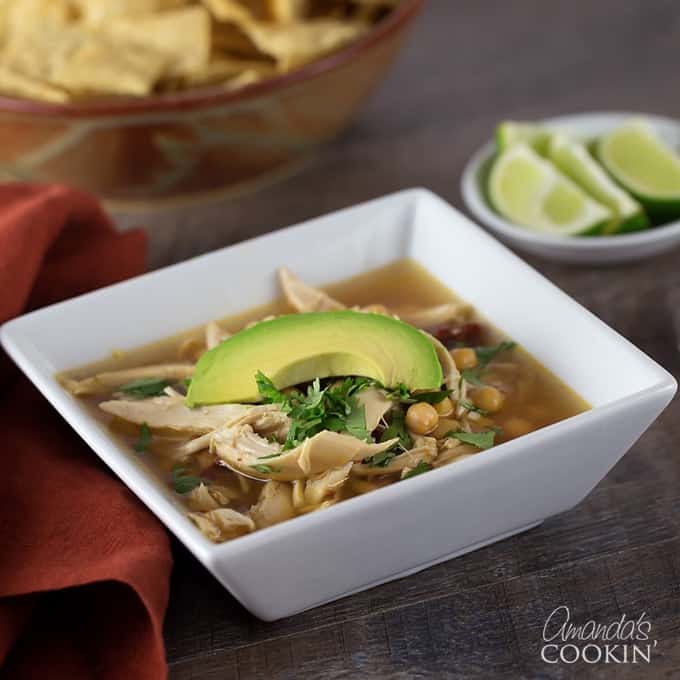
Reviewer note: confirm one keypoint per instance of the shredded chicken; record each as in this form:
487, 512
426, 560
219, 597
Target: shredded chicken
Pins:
214, 334
245, 451
304, 298
325, 484
204, 498
376, 405
110, 380
451, 449
429, 317
424, 451
172, 413
222, 524
306, 509
298, 493
274, 505
451, 373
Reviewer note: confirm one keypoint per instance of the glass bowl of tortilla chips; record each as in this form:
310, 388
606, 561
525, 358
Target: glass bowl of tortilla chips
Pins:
154, 102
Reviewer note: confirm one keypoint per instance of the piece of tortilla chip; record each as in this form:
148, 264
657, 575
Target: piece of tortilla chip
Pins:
17, 85
33, 49
97, 65
286, 11
184, 34
225, 69
97, 12
240, 11
229, 39
242, 79
22, 14
296, 43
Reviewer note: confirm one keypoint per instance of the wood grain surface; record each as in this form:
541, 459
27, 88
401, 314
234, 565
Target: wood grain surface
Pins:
468, 64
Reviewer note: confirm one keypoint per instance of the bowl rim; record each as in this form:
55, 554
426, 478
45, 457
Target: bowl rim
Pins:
209, 96
478, 205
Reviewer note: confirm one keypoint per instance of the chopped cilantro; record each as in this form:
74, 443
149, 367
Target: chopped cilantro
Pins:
397, 428
402, 394
434, 397
142, 443
418, 469
382, 459
269, 393
144, 388
264, 469
482, 440
469, 406
484, 357
486, 354
334, 407
355, 423
399, 393
185, 483
472, 375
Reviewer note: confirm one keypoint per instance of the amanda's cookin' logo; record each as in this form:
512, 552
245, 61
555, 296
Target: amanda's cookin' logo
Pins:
621, 640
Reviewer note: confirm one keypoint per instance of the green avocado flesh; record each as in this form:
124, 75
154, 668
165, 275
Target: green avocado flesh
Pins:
297, 348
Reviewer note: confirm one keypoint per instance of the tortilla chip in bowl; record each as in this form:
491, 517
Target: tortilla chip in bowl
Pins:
157, 102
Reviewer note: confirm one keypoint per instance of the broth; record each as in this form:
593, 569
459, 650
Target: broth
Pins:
531, 397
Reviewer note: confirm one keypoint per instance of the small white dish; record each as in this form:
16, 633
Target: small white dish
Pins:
585, 250
410, 525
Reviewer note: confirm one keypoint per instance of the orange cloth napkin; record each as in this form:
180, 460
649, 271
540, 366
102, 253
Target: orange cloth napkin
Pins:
84, 567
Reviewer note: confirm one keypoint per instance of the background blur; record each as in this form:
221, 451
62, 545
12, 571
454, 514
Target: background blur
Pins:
466, 65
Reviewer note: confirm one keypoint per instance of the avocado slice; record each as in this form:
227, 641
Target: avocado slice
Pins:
297, 348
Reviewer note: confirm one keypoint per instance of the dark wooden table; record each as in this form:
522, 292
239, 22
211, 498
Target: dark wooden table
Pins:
467, 65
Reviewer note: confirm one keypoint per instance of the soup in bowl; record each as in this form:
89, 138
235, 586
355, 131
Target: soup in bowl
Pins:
323, 395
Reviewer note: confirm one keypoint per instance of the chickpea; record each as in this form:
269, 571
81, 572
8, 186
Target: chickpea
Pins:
445, 407
445, 426
516, 427
488, 398
421, 418
464, 357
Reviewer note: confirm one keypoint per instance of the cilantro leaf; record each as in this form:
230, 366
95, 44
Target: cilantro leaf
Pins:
185, 483
486, 354
397, 428
334, 407
469, 406
142, 443
399, 393
355, 423
482, 440
382, 459
434, 397
402, 394
143, 388
484, 357
418, 469
472, 375
268, 392
264, 469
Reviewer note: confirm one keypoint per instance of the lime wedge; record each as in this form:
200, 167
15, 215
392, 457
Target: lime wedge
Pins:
643, 165
530, 191
510, 132
575, 161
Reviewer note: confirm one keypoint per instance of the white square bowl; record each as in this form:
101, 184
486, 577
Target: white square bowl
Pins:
410, 525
